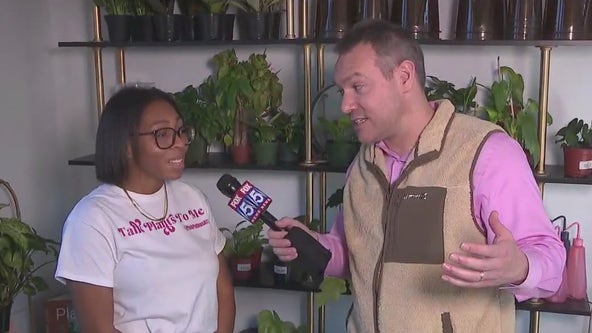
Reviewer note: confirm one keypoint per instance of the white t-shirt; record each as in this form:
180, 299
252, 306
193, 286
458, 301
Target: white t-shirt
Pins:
163, 274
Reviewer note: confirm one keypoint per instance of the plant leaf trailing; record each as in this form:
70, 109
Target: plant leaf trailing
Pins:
576, 134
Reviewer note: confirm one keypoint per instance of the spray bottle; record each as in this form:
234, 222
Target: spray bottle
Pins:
576, 266
561, 295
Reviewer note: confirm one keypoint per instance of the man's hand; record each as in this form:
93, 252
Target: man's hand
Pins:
282, 246
497, 264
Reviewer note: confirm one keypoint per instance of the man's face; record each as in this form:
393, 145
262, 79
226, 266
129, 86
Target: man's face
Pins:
372, 101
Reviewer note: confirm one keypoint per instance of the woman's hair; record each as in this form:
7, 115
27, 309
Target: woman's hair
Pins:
119, 121
391, 43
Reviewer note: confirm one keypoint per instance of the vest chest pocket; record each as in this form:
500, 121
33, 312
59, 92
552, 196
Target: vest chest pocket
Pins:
414, 227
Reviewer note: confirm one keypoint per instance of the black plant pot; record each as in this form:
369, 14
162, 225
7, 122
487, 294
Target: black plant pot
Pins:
524, 19
185, 27
213, 26
419, 17
164, 28
480, 20
253, 26
274, 21
142, 29
564, 19
5, 318
334, 18
118, 27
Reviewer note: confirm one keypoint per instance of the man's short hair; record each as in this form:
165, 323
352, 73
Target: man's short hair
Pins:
391, 43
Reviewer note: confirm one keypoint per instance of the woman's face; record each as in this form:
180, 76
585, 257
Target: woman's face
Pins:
149, 164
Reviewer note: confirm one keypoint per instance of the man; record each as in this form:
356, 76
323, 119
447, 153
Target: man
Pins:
442, 222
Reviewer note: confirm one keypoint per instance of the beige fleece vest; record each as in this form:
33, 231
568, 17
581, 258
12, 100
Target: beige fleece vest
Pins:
398, 235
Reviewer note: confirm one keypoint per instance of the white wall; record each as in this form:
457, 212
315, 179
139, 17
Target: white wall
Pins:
48, 116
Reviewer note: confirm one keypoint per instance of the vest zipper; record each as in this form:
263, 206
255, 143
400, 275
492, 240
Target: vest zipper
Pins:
377, 281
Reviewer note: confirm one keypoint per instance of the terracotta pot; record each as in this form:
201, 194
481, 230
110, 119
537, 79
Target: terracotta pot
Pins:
241, 154
577, 162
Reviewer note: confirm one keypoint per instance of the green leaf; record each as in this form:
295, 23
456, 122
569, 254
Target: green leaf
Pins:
331, 289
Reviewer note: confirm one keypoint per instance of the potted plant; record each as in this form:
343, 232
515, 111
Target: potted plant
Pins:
507, 108
463, 99
141, 24
202, 116
341, 145
164, 20
265, 134
576, 140
291, 138
19, 243
213, 22
243, 248
258, 19
246, 89
118, 16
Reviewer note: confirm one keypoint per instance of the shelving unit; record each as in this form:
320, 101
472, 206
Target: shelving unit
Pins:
543, 174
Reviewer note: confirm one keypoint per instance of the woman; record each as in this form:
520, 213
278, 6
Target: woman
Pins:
142, 252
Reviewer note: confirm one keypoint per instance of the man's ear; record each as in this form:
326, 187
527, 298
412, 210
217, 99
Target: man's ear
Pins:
405, 74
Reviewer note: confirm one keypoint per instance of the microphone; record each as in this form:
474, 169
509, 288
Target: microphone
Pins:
251, 203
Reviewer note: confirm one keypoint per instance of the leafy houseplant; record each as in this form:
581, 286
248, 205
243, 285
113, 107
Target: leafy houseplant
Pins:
291, 137
115, 7
576, 141
19, 242
248, 90
507, 108
258, 19
463, 99
341, 144
270, 322
243, 247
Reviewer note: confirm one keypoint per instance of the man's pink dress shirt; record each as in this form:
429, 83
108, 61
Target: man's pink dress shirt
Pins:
502, 181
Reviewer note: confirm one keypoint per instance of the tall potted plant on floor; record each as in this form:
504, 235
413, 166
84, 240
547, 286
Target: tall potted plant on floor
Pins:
19, 243
576, 140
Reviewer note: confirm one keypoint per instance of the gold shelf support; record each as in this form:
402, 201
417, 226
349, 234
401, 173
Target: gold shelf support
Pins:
307, 104
309, 214
543, 104
304, 19
290, 19
322, 176
98, 61
121, 66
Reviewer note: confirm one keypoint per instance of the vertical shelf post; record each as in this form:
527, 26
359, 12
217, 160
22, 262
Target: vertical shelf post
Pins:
320, 48
98, 61
290, 20
543, 104
121, 66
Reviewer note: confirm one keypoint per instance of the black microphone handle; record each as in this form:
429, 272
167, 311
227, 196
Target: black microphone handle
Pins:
313, 256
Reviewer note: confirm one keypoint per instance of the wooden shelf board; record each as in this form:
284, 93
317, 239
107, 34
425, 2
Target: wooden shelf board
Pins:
570, 307
222, 161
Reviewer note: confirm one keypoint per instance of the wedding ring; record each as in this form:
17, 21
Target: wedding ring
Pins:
481, 275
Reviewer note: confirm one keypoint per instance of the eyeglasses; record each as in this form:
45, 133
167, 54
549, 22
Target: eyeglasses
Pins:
165, 137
